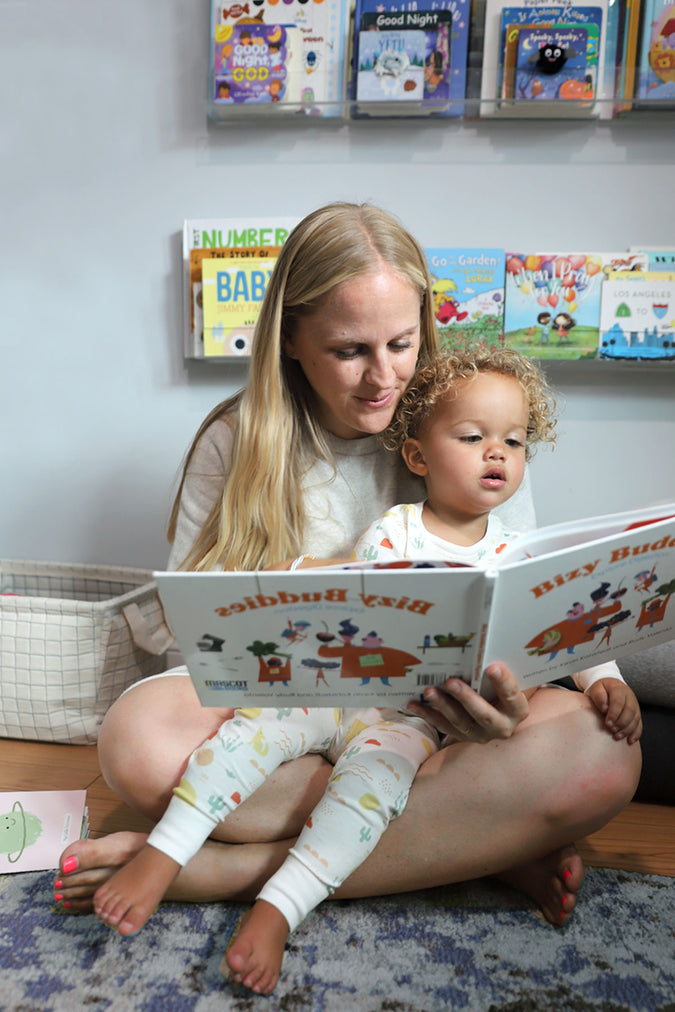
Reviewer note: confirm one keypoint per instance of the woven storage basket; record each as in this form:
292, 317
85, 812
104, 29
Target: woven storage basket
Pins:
72, 638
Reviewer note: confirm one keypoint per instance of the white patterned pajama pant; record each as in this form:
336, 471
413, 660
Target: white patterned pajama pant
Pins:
375, 753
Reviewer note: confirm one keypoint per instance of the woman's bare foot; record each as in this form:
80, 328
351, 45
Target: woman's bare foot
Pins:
132, 895
85, 865
255, 953
552, 882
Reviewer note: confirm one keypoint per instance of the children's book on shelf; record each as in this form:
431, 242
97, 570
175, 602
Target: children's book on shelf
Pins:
656, 64
38, 825
504, 21
660, 259
552, 301
209, 238
445, 25
637, 316
561, 599
232, 292
468, 292
550, 64
318, 33
256, 64
628, 57
404, 67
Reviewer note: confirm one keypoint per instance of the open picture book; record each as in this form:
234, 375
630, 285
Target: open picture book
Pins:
562, 598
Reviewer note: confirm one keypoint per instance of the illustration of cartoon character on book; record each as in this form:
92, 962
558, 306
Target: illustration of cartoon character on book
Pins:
18, 829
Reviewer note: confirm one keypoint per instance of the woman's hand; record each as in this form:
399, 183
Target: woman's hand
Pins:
463, 715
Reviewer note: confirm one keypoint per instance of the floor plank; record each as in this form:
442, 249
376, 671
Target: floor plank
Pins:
641, 837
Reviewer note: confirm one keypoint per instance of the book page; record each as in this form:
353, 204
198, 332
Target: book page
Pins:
557, 614
325, 638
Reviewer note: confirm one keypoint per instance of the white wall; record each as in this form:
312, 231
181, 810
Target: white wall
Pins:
105, 150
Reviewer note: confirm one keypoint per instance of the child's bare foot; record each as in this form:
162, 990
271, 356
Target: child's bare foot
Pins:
255, 953
552, 882
127, 900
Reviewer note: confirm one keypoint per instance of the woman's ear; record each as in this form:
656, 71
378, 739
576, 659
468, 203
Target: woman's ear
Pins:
413, 455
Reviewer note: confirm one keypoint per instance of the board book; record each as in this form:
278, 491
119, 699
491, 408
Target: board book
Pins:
232, 292
468, 292
256, 64
637, 316
318, 32
552, 301
220, 237
37, 826
656, 64
404, 68
550, 64
445, 24
561, 599
502, 16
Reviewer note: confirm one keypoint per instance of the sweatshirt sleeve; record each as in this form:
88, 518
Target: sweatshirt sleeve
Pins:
203, 487
584, 679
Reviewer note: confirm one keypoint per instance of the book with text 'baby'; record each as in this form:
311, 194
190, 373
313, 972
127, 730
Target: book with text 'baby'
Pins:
232, 292
37, 826
560, 599
552, 300
211, 237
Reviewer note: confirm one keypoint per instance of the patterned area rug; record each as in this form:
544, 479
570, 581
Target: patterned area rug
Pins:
469, 947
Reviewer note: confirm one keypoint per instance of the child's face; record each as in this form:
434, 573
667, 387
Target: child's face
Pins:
471, 450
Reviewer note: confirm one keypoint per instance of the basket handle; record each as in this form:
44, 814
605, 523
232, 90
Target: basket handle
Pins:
156, 643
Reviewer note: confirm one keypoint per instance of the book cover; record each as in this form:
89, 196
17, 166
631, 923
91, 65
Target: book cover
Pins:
208, 236
561, 599
502, 15
408, 61
256, 63
233, 289
554, 64
659, 259
419, 15
656, 73
552, 301
324, 29
637, 316
468, 292
37, 826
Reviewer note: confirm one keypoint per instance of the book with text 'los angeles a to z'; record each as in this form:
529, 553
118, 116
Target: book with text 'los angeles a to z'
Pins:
562, 599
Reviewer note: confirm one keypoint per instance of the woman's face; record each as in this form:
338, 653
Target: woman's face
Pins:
358, 351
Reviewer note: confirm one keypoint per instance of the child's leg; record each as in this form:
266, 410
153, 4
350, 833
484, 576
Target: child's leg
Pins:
220, 774
368, 789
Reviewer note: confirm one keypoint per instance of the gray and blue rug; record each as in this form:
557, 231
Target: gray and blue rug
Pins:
469, 947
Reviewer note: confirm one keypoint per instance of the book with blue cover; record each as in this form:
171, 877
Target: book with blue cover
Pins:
656, 71
556, 63
427, 16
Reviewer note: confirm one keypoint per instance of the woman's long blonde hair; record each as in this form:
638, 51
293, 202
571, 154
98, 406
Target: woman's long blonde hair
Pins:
260, 517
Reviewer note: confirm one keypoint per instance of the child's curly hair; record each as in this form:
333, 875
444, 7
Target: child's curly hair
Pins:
438, 381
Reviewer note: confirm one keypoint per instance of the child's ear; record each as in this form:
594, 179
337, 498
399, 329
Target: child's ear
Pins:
413, 455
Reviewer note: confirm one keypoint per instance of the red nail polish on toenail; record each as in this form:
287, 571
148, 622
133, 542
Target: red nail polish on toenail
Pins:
70, 864
567, 874
67, 904
58, 897
58, 883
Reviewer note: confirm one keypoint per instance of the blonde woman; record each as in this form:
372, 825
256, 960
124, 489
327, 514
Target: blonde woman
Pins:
291, 466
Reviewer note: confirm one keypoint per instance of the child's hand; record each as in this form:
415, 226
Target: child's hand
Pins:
619, 704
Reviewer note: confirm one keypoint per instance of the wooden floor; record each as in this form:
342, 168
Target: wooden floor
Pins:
641, 838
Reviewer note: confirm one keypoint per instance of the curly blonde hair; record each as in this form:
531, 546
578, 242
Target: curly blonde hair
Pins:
440, 378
